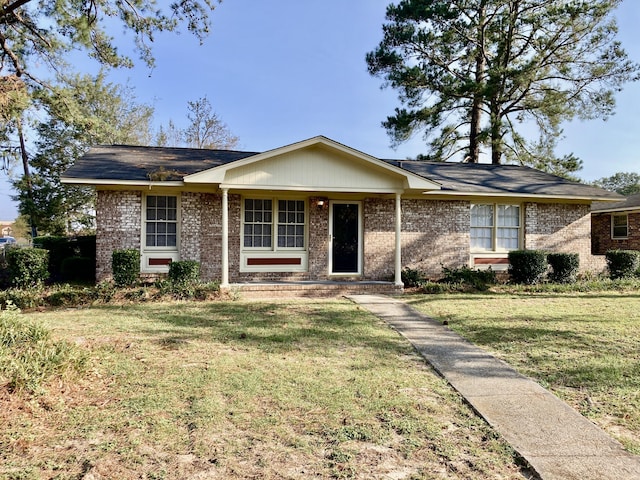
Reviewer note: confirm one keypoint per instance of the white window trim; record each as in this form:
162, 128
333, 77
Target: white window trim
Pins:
494, 228
626, 216
273, 253
148, 254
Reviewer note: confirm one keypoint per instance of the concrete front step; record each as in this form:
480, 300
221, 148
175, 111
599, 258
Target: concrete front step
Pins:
312, 289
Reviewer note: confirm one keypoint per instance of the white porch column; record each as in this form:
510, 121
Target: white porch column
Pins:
398, 259
225, 238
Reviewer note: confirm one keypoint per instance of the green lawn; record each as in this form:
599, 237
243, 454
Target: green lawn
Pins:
297, 390
583, 347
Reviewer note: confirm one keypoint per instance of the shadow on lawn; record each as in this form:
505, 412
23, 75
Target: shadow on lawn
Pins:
267, 326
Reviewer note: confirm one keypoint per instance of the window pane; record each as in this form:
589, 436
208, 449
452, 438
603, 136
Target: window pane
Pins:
508, 215
508, 238
151, 214
171, 241
151, 241
481, 238
481, 215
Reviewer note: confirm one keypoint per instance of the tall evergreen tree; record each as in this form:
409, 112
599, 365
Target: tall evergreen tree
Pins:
470, 73
88, 111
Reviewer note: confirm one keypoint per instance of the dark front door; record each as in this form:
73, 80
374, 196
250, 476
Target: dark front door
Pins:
345, 241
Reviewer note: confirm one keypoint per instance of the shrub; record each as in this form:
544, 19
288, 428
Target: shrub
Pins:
126, 266
78, 268
411, 277
28, 355
564, 267
29, 298
622, 263
527, 266
27, 266
184, 272
59, 248
478, 279
67, 296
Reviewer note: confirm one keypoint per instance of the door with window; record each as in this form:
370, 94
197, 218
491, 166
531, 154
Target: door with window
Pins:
346, 238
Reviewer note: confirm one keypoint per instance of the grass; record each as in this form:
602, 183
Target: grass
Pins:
583, 347
243, 390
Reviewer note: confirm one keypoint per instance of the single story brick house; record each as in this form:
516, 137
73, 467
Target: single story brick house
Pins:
318, 211
616, 225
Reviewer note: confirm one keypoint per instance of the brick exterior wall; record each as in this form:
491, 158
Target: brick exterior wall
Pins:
201, 232
118, 226
601, 234
434, 233
561, 228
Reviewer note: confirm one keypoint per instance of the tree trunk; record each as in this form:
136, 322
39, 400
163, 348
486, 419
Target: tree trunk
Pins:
496, 134
476, 107
27, 178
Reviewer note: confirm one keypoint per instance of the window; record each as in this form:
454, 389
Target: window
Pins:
258, 221
258, 229
291, 223
495, 227
619, 226
161, 221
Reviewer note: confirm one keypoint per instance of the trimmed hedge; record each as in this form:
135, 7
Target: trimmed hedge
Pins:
564, 267
527, 266
623, 263
27, 267
125, 265
184, 272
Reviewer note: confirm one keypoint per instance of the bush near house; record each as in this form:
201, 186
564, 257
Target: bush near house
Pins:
27, 267
125, 265
63, 248
527, 266
564, 267
184, 272
623, 263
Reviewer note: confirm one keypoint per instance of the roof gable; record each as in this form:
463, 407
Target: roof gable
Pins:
315, 164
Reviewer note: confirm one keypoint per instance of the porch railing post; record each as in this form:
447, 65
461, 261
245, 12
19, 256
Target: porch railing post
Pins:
225, 238
398, 257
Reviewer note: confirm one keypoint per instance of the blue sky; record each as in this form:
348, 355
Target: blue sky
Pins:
285, 70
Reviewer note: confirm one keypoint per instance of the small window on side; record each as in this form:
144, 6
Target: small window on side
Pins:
619, 226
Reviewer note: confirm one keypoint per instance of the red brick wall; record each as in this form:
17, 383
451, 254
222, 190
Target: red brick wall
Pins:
601, 234
561, 228
434, 233
118, 226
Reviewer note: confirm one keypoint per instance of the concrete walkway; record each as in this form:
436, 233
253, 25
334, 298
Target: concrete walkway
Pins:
553, 438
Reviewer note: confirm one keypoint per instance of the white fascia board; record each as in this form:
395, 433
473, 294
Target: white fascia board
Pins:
137, 183
289, 188
532, 196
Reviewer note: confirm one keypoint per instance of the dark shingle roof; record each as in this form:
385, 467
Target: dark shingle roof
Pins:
118, 163
486, 179
123, 162
632, 202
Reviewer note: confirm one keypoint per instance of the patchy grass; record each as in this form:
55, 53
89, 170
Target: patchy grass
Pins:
311, 389
584, 347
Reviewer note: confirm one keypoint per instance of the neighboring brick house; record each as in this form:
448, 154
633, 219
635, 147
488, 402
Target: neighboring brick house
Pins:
318, 210
616, 225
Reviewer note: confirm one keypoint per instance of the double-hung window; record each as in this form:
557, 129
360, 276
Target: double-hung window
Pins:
495, 227
274, 235
161, 226
619, 225
261, 232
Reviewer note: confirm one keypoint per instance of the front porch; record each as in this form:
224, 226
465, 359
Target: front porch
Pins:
310, 289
